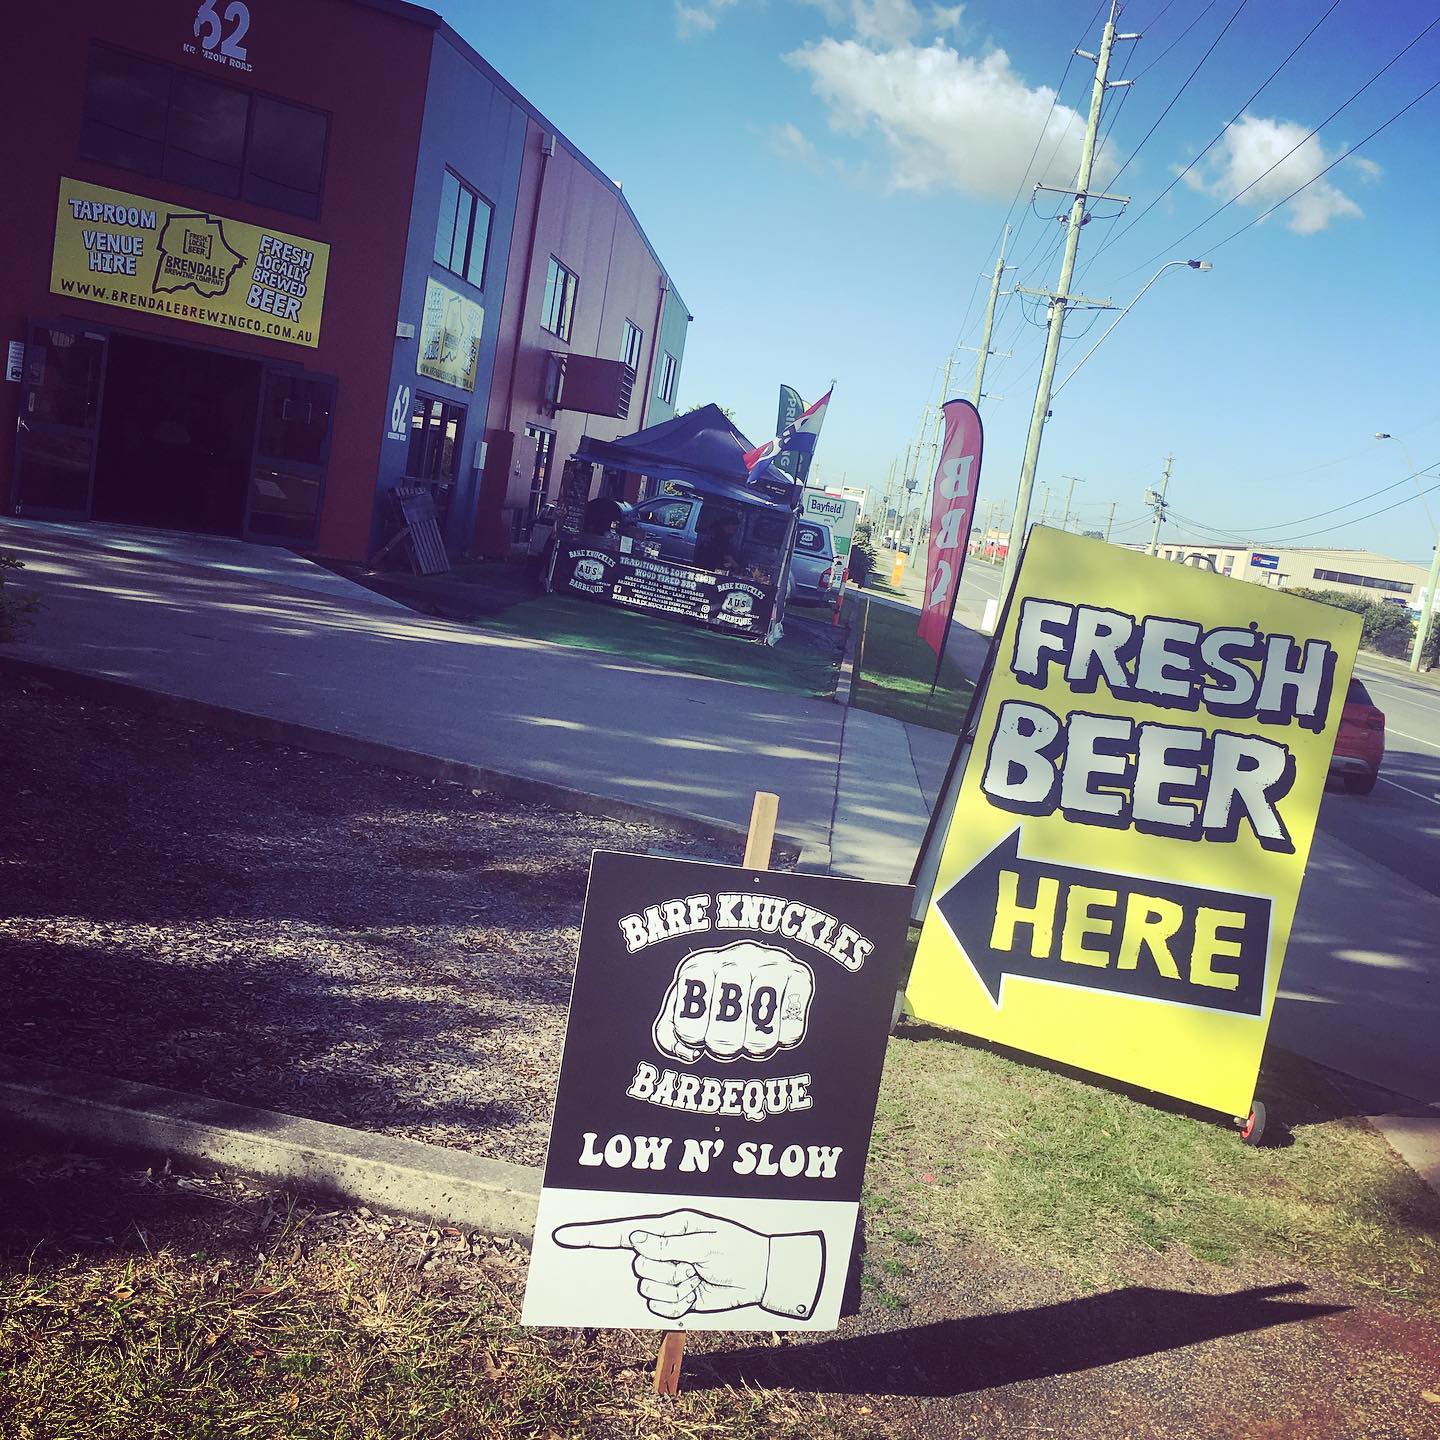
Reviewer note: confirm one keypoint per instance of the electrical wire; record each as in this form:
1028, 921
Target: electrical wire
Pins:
1235, 15
1176, 40
1345, 155
1116, 235
1174, 245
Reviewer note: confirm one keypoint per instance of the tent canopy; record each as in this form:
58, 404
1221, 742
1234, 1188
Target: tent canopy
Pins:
701, 449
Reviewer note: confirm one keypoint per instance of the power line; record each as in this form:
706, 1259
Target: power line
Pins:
1219, 134
1344, 156
1235, 15
1176, 40
1174, 245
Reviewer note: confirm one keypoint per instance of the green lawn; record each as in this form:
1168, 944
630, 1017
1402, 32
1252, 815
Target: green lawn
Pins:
505, 598
894, 668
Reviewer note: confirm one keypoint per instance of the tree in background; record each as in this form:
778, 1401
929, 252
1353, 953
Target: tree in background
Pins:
1385, 629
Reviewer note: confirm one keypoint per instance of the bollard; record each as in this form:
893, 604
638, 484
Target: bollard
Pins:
897, 571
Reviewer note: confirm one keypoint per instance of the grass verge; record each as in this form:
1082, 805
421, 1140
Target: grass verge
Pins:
973, 1145
894, 668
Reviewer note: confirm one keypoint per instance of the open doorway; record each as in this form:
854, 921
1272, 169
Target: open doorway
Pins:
177, 432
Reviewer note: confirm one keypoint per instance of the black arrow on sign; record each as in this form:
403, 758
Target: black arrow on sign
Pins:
1009, 922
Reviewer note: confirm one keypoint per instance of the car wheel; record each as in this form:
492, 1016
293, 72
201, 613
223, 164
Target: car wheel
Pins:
1361, 784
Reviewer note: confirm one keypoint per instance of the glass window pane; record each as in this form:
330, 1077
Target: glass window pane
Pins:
127, 92
547, 310
479, 240
295, 421
445, 226
54, 471
62, 371
287, 144
463, 213
207, 119
283, 505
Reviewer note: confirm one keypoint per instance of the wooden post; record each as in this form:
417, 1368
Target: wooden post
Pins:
758, 844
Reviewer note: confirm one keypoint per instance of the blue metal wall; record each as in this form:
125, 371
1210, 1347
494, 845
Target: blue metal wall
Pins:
475, 128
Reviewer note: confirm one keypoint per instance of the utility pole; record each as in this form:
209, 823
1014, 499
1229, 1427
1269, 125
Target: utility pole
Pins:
1157, 502
1427, 614
1044, 501
1110, 523
1060, 298
1069, 495
977, 391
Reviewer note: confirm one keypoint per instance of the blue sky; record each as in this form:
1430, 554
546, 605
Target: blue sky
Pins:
827, 179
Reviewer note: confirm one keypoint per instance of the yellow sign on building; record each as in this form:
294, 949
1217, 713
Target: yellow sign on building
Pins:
1118, 881
114, 248
450, 336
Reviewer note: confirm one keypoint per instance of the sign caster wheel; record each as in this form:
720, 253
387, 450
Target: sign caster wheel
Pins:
1252, 1131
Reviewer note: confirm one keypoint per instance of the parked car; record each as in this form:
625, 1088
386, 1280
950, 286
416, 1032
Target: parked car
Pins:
814, 573
686, 529
1360, 744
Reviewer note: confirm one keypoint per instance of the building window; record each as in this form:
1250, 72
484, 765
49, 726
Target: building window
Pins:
1369, 582
668, 371
155, 119
434, 440
540, 476
630, 343
462, 233
558, 314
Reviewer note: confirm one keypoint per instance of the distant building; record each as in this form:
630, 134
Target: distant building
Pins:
264, 263
1282, 567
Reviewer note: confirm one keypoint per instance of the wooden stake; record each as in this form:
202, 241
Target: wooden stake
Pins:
758, 844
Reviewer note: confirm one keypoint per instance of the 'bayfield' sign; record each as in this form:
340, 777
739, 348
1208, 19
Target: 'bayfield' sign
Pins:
727, 1033
1120, 875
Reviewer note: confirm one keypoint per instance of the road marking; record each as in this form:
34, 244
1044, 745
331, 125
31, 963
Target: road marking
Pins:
1382, 779
1405, 735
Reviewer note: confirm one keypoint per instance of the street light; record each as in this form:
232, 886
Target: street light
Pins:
1200, 265
1427, 610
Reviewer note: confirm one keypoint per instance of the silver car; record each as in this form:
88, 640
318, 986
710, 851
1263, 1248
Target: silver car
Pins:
813, 570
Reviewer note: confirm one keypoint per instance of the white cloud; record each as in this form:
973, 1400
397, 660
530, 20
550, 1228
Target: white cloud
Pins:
792, 146
699, 19
946, 119
1252, 145
885, 22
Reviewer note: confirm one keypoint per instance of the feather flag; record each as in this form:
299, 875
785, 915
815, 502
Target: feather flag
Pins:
797, 437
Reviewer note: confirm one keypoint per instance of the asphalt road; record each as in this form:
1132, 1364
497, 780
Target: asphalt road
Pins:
1398, 825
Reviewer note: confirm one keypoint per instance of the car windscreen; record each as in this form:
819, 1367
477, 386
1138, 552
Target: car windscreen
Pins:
811, 539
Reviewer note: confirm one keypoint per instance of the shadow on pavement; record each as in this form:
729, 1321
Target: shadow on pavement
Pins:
980, 1352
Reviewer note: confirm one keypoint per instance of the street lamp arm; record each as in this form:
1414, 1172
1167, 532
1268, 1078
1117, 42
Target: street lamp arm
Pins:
1193, 264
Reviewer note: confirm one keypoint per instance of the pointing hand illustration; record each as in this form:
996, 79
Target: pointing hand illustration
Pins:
686, 1261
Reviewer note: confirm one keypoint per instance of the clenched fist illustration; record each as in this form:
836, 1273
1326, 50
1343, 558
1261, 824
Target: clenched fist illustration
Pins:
746, 999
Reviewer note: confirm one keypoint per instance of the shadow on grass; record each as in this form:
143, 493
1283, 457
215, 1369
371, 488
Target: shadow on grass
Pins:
980, 1352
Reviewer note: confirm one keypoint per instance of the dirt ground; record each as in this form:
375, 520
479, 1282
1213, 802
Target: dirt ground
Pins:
301, 932
262, 925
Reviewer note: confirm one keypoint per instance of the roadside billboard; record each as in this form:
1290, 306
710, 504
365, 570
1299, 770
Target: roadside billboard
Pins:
1119, 878
717, 1088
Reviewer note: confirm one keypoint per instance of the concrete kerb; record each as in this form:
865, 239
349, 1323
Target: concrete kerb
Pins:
401, 1177
107, 690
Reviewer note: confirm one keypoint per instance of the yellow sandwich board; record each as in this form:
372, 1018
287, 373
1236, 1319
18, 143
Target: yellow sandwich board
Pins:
1118, 880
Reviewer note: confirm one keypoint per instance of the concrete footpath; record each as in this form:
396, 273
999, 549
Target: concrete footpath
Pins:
264, 633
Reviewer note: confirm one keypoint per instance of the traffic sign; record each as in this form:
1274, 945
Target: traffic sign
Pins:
1118, 881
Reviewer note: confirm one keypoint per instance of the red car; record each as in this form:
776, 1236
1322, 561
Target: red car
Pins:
1360, 745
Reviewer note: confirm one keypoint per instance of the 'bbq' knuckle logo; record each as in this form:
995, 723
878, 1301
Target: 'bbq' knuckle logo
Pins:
746, 999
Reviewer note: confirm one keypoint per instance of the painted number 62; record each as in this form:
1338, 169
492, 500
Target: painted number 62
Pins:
210, 31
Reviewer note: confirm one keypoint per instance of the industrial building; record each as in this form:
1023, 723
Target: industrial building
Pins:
1365, 573
264, 264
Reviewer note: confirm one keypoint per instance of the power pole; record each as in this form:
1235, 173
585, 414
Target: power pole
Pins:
1044, 501
1427, 613
977, 391
1060, 298
1156, 500
1069, 495
1110, 523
